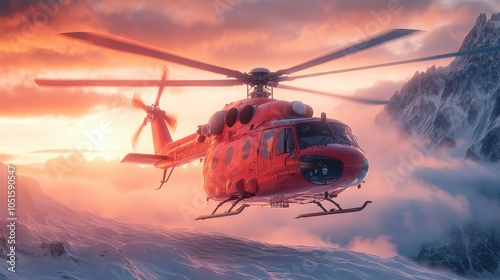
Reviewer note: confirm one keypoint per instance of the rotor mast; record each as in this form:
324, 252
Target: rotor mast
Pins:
259, 85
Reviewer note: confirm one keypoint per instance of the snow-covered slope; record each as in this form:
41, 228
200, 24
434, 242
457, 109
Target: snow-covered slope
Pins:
459, 102
55, 242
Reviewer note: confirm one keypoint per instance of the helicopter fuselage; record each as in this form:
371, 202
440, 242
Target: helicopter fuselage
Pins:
272, 150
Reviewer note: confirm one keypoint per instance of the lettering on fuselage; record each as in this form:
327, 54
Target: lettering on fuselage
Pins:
183, 151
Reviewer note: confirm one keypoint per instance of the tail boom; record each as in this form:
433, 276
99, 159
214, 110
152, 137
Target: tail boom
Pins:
175, 153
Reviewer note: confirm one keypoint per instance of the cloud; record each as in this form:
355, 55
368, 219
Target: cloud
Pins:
10, 8
380, 90
478, 183
6, 157
195, 29
28, 101
281, 35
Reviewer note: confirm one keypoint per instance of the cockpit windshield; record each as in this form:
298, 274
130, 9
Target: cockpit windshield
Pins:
313, 133
344, 134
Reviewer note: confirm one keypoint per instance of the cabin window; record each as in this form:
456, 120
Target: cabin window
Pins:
344, 134
267, 143
285, 143
215, 159
313, 133
229, 155
246, 149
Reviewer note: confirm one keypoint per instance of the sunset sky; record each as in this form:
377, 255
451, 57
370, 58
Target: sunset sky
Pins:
40, 125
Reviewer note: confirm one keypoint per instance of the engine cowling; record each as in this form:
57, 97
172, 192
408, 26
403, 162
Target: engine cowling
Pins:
214, 126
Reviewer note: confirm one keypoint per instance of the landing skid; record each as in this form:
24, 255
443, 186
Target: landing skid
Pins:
163, 181
225, 214
333, 211
229, 212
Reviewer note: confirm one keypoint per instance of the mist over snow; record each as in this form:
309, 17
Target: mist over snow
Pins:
54, 241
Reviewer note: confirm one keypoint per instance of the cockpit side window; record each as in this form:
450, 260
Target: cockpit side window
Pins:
267, 143
313, 133
344, 134
285, 143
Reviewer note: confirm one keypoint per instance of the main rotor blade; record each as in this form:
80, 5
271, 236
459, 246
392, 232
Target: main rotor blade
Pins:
161, 87
391, 35
137, 83
142, 49
434, 57
349, 98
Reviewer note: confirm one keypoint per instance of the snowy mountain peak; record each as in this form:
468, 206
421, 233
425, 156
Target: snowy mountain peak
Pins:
471, 39
456, 103
484, 33
457, 107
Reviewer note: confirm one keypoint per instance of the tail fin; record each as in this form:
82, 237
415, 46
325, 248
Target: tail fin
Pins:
161, 134
158, 119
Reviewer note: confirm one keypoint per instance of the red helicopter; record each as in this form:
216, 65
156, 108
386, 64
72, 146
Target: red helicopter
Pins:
259, 150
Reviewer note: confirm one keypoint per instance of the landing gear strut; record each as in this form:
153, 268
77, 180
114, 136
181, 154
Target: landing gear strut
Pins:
229, 212
340, 210
163, 180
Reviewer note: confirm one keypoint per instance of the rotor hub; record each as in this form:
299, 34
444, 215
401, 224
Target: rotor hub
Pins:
259, 71
259, 83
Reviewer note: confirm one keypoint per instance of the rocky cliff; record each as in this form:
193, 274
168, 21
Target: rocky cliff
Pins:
459, 102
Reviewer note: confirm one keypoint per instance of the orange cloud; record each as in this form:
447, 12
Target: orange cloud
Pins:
197, 30
26, 101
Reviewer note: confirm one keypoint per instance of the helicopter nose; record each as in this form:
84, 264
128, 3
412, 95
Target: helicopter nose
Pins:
347, 164
355, 166
364, 171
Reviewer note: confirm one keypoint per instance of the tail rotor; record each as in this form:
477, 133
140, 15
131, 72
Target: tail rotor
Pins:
138, 103
153, 110
171, 120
